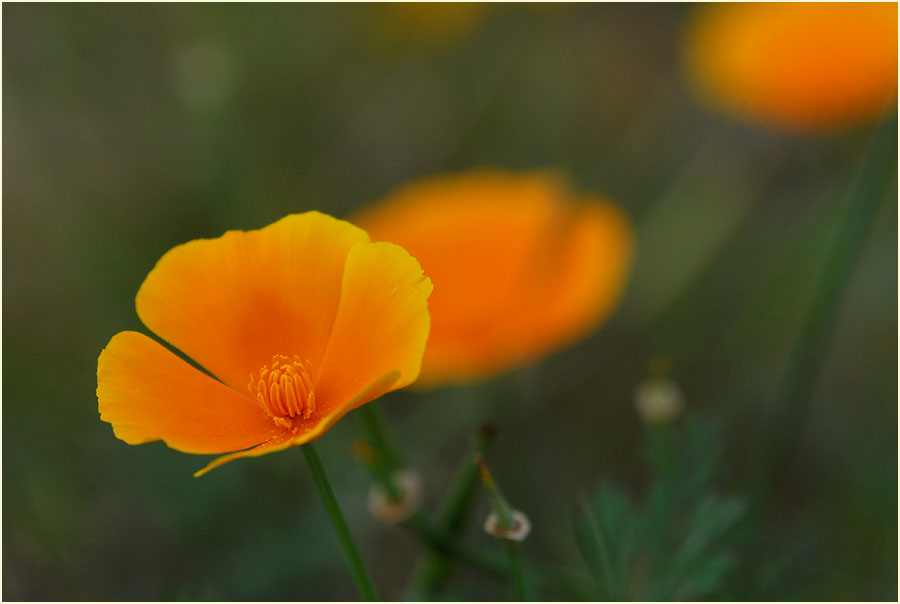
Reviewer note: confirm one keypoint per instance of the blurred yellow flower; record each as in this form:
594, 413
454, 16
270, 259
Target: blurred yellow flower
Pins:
434, 21
521, 266
301, 322
804, 67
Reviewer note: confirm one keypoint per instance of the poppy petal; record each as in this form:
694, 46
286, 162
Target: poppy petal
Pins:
381, 325
474, 232
313, 430
233, 302
147, 393
520, 267
589, 274
799, 66
576, 276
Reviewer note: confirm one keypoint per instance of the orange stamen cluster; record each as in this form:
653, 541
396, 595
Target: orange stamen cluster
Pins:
284, 389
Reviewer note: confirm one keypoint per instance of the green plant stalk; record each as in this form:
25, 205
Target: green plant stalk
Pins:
483, 559
611, 587
561, 579
384, 477
455, 510
662, 462
498, 502
374, 429
440, 539
515, 570
433, 566
386, 459
808, 354
507, 522
348, 545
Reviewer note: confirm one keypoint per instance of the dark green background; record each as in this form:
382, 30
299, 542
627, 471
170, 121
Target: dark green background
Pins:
131, 128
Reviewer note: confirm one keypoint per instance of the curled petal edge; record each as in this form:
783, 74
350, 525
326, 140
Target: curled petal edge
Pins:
372, 391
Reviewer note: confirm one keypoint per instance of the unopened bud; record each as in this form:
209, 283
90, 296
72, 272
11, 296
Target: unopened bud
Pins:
503, 522
520, 529
409, 486
658, 400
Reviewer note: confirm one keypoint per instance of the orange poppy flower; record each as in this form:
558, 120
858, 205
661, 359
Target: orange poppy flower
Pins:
520, 267
796, 66
300, 321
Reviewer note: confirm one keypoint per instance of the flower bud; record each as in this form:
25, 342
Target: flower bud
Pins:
658, 400
380, 505
520, 529
503, 522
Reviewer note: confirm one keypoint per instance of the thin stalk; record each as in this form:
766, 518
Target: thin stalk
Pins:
384, 460
507, 523
386, 480
662, 462
808, 354
491, 562
378, 469
455, 510
374, 429
610, 588
441, 538
433, 566
357, 567
480, 558
498, 502
516, 572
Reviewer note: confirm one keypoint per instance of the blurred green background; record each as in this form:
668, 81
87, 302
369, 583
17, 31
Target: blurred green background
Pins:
131, 128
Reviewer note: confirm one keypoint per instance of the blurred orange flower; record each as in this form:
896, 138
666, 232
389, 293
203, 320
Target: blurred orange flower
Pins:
520, 268
796, 66
301, 322
434, 21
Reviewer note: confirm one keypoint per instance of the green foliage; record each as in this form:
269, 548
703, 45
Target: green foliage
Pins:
680, 543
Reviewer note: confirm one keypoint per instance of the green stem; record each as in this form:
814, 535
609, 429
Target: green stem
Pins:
441, 538
808, 355
610, 585
357, 567
455, 510
498, 502
439, 541
374, 430
385, 479
386, 459
515, 571
488, 560
505, 522
662, 496
433, 566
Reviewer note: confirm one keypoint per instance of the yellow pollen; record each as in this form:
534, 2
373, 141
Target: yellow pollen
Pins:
284, 389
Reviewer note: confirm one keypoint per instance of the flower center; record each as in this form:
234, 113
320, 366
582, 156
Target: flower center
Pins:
284, 389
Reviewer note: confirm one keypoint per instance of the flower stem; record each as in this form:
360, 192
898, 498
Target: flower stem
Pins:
808, 355
357, 567
441, 538
609, 586
374, 430
562, 579
385, 461
662, 499
433, 566
515, 571
499, 503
